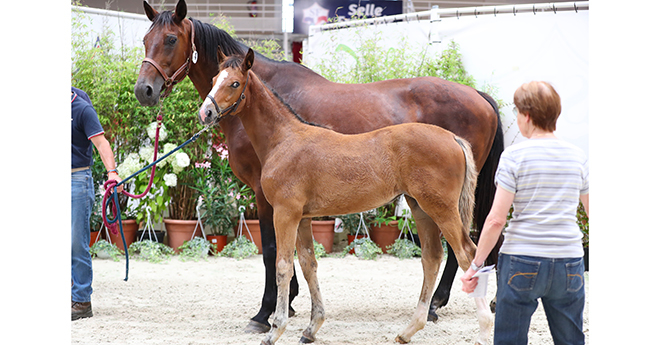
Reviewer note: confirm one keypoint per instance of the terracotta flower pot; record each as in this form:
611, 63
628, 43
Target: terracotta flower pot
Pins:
94, 237
324, 233
220, 241
385, 235
179, 231
130, 231
352, 238
255, 231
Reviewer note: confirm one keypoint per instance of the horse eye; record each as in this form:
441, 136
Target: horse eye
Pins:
171, 40
235, 85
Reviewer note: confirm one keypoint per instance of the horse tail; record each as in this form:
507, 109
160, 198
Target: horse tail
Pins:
466, 200
485, 183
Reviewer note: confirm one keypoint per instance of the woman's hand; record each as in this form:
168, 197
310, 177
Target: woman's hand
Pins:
469, 283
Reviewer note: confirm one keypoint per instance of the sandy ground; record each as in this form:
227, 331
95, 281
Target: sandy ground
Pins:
210, 302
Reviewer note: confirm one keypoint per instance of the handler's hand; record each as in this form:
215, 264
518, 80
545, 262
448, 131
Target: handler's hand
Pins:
113, 176
469, 283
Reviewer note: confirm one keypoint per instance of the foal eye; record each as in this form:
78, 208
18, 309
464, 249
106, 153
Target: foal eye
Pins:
235, 85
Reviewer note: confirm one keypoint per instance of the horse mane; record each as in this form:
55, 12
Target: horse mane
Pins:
277, 95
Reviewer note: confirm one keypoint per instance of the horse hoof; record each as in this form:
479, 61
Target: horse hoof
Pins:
432, 316
399, 339
292, 312
493, 303
255, 327
305, 340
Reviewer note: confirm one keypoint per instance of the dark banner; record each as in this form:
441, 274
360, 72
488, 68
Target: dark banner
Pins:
315, 12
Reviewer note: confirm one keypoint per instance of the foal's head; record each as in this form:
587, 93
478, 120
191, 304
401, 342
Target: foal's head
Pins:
228, 87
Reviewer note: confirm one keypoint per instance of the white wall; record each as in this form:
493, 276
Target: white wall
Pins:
504, 51
127, 27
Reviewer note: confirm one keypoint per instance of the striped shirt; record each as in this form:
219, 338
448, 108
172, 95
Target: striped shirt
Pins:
547, 177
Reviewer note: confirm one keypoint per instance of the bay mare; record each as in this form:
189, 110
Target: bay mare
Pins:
310, 171
170, 45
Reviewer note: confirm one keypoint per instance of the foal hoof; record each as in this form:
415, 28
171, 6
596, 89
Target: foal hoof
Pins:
292, 312
305, 340
493, 303
399, 339
255, 327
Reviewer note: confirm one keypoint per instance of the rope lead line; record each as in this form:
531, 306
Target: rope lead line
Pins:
111, 188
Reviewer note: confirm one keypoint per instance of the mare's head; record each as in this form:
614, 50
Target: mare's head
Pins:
168, 48
228, 87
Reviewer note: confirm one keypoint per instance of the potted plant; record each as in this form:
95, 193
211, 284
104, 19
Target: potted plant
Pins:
323, 232
583, 223
219, 189
364, 248
351, 223
386, 226
151, 251
103, 249
239, 248
195, 249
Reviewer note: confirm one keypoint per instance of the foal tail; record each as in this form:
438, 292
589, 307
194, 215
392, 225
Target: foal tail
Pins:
466, 200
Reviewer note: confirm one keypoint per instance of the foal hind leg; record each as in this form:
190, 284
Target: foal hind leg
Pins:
429, 236
305, 246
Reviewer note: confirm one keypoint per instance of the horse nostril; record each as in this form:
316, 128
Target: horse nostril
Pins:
150, 91
209, 113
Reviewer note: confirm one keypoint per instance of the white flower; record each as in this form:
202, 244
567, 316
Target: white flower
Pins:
147, 153
170, 180
130, 165
151, 131
181, 160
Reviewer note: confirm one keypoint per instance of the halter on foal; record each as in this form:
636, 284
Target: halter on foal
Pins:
431, 166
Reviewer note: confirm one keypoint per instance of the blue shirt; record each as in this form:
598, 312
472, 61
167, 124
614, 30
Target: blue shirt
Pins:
84, 126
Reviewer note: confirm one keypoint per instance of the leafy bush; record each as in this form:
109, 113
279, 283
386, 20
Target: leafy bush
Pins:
404, 248
364, 248
196, 249
105, 250
240, 248
151, 251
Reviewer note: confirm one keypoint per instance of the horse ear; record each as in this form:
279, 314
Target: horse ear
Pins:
149, 11
180, 11
249, 60
221, 55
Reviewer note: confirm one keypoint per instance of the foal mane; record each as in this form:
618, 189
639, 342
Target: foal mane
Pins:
235, 61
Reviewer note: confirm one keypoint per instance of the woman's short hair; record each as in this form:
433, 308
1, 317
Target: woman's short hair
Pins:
540, 100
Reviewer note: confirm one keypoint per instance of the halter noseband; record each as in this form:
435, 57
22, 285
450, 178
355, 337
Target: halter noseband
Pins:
231, 108
185, 68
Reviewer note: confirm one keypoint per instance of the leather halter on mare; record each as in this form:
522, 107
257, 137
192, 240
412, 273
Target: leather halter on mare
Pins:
229, 109
171, 81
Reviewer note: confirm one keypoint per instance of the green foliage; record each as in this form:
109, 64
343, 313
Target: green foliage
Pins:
319, 250
196, 249
583, 223
351, 222
364, 248
104, 250
404, 249
151, 251
240, 248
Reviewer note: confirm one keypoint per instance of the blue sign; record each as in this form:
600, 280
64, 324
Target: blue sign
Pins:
316, 12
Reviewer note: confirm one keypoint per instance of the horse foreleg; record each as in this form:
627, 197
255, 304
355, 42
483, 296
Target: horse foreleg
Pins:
285, 227
305, 246
441, 295
431, 258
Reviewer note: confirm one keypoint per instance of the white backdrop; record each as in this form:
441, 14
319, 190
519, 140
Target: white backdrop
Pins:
503, 51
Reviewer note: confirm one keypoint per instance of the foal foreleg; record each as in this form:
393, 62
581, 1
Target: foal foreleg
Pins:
485, 318
305, 246
285, 232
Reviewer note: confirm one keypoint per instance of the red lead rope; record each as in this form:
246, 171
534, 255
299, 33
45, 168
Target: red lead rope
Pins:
110, 187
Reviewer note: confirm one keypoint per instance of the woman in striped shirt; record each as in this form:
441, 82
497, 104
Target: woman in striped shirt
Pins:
542, 257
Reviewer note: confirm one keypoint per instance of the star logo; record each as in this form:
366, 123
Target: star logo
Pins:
315, 15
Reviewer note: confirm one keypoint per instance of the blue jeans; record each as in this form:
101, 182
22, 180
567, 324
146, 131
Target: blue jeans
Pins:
82, 202
522, 280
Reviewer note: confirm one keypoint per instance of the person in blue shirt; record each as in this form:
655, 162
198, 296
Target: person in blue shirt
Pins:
86, 131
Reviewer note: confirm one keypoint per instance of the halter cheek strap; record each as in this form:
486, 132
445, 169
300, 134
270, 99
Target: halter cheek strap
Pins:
222, 113
184, 69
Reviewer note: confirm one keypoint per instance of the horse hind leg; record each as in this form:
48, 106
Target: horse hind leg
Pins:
429, 235
308, 263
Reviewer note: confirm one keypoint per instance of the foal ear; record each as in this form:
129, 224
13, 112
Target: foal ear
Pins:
149, 11
180, 11
249, 60
221, 55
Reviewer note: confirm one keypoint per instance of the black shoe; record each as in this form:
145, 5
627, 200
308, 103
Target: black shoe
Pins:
80, 310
